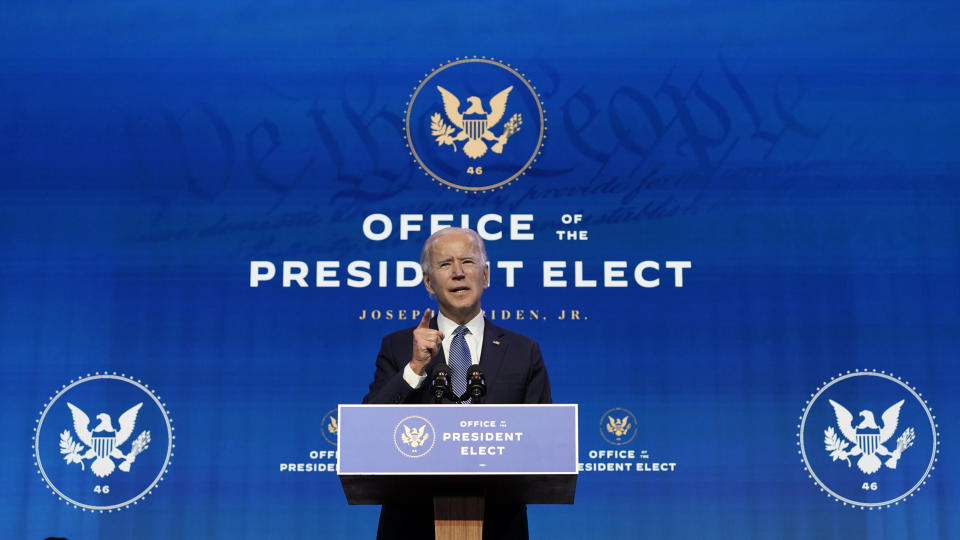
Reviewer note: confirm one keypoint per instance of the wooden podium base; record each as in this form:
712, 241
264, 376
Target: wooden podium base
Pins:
458, 518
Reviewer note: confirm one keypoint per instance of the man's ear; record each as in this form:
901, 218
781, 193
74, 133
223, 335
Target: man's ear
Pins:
426, 283
486, 275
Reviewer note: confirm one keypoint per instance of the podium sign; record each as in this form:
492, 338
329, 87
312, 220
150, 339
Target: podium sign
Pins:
525, 452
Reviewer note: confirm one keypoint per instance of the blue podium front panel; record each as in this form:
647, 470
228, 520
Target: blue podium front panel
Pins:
458, 439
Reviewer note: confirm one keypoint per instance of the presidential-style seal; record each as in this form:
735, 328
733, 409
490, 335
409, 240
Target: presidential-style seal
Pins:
474, 124
618, 426
330, 429
868, 439
414, 436
103, 442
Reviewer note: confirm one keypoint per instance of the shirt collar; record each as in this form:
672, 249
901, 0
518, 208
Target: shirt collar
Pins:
447, 326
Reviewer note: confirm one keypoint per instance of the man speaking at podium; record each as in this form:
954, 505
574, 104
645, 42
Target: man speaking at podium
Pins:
454, 263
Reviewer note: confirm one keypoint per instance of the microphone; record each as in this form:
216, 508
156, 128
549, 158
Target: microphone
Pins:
476, 384
440, 385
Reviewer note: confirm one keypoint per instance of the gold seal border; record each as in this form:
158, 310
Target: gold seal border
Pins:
397, 429
481, 189
635, 426
332, 413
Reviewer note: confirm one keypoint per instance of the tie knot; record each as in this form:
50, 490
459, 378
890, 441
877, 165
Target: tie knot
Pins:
460, 331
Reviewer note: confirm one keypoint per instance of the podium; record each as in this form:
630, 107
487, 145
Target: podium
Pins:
456, 456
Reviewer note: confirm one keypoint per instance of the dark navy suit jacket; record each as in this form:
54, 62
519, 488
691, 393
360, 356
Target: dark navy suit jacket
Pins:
514, 371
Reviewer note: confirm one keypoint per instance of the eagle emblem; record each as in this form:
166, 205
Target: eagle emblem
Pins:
867, 437
618, 427
102, 445
414, 437
475, 123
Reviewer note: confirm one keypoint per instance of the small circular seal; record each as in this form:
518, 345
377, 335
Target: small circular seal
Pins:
474, 124
618, 426
330, 429
868, 439
103, 442
414, 436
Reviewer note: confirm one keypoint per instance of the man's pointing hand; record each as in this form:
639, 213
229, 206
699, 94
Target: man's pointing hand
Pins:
426, 343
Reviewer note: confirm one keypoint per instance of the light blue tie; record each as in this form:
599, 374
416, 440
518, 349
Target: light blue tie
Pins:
459, 360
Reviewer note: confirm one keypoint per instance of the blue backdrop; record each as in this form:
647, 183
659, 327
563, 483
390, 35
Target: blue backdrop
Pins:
800, 155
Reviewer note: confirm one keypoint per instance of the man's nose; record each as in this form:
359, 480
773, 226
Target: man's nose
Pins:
458, 269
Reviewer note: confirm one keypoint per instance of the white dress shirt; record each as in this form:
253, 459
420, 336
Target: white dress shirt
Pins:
473, 337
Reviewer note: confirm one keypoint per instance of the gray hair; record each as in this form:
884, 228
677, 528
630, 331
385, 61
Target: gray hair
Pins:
428, 245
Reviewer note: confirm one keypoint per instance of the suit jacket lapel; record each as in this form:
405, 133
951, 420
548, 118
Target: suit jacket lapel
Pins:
493, 352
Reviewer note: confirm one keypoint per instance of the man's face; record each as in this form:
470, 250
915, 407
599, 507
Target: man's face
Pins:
457, 276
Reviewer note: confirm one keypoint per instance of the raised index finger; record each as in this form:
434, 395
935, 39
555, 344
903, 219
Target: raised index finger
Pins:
425, 321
